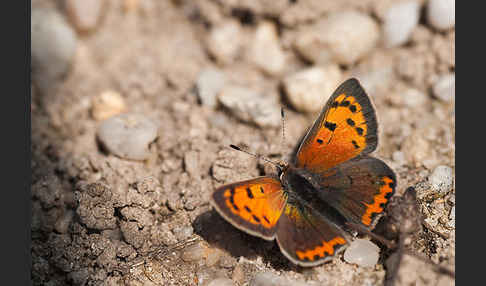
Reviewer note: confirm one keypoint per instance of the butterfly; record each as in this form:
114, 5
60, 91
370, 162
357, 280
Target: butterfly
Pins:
329, 182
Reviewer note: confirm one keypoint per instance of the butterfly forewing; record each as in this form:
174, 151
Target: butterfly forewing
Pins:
253, 206
345, 128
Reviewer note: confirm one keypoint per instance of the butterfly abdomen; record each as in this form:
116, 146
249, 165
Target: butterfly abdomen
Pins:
302, 193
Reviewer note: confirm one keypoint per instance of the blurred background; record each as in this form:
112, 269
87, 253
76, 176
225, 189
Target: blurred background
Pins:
134, 104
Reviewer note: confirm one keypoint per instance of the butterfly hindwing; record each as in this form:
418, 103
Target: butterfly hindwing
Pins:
345, 128
253, 206
359, 189
308, 238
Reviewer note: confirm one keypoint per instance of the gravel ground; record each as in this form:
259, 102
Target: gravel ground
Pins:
134, 104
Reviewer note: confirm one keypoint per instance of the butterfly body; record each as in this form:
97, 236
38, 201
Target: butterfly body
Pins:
330, 181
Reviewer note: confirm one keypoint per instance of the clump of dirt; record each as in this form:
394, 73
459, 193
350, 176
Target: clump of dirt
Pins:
101, 219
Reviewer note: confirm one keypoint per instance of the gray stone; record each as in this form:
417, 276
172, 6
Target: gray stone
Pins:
128, 136
250, 106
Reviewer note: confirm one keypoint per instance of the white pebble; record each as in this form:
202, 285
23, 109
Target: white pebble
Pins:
399, 22
224, 41
413, 97
362, 252
441, 14
107, 104
445, 87
309, 89
128, 136
265, 51
250, 106
271, 279
208, 84
441, 179
53, 44
343, 37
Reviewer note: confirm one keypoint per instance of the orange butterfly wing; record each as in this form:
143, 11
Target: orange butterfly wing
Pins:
345, 128
253, 206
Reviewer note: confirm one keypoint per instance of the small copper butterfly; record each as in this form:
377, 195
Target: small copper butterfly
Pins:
330, 181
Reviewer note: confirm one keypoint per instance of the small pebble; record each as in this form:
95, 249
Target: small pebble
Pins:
128, 136
265, 51
53, 45
413, 97
362, 252
343, 37
441, 179
209, 83
84, 14
183, 232
308, 90
224, 41
399, 22
194, 252
250, 106
441, 14
445, 87
213, 255
271, 279
399, 158
221, 282
107, 104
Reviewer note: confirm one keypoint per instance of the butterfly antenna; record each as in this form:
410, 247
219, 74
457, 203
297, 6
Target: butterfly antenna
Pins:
283, 127
258, 156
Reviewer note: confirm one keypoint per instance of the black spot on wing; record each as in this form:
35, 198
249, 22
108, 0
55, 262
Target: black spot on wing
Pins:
329, 125
352, 108
350, 122
256, 218
355, 144
359, 130
266, 219
345, 103
249, 193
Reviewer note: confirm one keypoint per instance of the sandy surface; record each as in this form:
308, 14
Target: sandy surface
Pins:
99, 219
